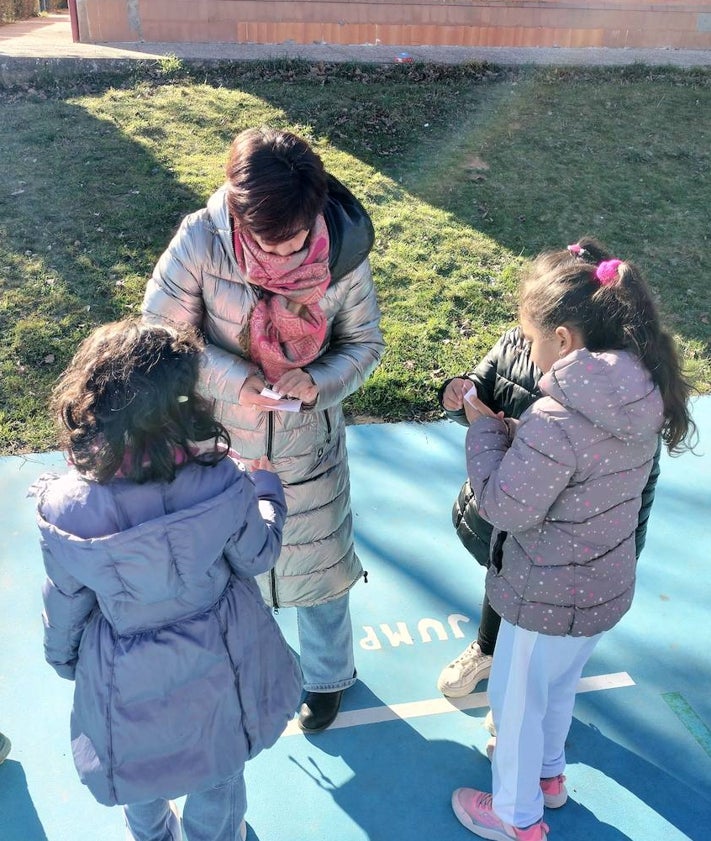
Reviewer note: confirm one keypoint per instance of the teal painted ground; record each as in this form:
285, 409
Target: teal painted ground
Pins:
639, 755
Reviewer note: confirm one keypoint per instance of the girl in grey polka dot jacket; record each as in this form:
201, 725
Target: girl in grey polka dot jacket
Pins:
566, 482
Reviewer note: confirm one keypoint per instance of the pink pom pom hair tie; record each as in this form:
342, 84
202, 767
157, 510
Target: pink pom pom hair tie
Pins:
606, 272
577, 250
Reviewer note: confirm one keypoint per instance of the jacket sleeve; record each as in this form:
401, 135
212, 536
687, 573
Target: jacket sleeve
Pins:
486, 372
356, 344
174, 292
174, 295
640, 535
67, 608
256, 546
516, 482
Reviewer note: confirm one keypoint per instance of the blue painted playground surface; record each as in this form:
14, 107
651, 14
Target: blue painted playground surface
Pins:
639, 750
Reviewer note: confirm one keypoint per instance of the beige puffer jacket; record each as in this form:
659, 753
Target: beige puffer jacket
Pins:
197, 280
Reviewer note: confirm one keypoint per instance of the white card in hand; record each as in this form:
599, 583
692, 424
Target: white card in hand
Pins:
470, 395
284, 404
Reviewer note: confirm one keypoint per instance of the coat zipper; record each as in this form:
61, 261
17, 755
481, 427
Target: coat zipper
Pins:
270, 450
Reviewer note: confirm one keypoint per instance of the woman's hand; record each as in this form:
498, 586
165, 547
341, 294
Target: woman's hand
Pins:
453, 396
250, 395
297, 383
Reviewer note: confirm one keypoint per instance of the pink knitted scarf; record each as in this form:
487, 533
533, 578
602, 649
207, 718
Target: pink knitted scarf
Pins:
287, 326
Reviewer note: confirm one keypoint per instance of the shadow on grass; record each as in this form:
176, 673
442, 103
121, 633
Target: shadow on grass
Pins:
514, 160
533, 158
85, 211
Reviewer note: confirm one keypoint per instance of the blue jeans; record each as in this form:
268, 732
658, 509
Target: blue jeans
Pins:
326, 645
211, 815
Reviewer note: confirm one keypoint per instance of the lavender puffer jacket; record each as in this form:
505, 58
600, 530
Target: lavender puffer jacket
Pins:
151, 607
568, 490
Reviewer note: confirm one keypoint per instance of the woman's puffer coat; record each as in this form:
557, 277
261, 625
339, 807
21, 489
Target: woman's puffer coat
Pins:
151, 607
197, 280
568, 490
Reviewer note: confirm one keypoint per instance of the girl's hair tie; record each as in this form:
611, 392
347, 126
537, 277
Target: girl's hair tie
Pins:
578, 250
606, 272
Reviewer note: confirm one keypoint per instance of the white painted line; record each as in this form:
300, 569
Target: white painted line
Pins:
613, 681
438, 706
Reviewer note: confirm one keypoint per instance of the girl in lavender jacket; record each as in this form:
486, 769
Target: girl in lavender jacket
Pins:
151, 543
566, 483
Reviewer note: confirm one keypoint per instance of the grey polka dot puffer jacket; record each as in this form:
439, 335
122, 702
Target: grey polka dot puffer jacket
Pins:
568, 490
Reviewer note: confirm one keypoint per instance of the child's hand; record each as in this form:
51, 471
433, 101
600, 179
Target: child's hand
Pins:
475, 409
453, 396
262, 463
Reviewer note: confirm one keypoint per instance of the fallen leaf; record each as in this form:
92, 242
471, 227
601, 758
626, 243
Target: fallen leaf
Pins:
475, 162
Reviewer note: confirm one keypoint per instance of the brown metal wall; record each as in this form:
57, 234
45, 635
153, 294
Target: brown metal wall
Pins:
498, 23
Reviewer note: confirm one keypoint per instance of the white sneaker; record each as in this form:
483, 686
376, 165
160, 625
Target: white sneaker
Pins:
461, 676
5, 746
489, 723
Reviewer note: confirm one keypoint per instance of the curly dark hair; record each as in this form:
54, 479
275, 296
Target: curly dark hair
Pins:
562, 288
127, 404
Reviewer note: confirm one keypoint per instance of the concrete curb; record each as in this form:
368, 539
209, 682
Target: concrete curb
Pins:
41, 46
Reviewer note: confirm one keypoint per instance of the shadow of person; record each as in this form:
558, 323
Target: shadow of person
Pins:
401, 782
18, 817
626, 786
394, 779
401, 776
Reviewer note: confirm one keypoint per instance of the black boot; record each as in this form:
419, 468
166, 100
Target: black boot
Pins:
318, 710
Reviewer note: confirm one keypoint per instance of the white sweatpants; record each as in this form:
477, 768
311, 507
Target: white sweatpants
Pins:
532, 694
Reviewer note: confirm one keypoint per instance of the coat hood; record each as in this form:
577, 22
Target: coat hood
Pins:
612, 389
152, 561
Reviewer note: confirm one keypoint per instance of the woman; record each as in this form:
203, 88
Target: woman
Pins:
275, 273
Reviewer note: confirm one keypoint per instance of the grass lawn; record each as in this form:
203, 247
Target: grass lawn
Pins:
467, 172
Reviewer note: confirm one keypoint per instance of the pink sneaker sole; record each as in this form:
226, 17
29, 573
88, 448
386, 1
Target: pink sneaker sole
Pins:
491, 828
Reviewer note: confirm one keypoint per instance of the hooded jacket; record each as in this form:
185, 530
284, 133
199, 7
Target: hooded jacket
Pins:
197, 280
507, 381
568, 490
181, 673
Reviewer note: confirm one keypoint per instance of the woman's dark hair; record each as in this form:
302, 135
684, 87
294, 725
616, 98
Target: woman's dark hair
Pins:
276, 184
616, 312
127, 404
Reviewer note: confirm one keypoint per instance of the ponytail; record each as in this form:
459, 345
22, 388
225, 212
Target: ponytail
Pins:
609, 302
